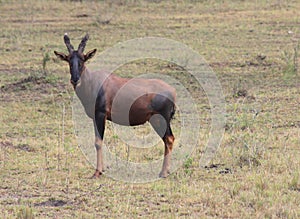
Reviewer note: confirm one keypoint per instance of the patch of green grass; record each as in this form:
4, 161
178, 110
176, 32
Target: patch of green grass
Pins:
187, 165
25, 213
294, 184
290, 69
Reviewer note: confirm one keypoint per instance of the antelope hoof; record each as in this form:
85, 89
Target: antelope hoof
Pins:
164, 174
97, 174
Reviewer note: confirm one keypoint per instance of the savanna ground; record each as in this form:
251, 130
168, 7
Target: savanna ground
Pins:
253, 47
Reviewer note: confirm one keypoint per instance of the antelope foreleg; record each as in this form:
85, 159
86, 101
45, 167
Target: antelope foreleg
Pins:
99, 156
99, 126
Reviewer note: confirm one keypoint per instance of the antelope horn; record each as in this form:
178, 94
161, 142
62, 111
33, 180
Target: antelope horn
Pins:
68, 43
83, 43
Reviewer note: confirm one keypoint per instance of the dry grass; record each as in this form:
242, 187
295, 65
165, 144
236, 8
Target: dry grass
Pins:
251, 46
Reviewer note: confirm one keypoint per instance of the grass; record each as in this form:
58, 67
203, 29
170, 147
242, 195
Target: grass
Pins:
252, 47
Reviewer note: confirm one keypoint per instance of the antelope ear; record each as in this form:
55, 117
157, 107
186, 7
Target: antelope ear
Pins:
61, 56
90, 54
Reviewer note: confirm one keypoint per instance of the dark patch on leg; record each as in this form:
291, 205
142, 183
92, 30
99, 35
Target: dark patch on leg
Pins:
100, 105
159, 124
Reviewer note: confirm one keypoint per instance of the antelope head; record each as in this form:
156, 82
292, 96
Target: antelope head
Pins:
76, 58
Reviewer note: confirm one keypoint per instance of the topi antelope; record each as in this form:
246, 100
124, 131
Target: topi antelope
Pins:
124, 101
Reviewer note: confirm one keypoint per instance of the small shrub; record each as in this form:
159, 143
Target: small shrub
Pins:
291, 66
46, 59
187, 165
293, 185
